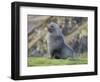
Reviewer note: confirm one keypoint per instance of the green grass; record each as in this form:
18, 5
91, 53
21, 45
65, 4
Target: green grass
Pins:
43, 61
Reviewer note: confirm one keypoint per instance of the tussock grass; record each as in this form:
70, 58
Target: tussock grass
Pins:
43, 61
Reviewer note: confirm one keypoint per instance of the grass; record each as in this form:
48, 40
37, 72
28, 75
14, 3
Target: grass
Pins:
43, 61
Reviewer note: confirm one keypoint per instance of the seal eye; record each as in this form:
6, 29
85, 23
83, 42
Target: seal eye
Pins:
52, 26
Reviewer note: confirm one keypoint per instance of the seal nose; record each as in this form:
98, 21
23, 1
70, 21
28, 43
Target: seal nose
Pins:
48, 29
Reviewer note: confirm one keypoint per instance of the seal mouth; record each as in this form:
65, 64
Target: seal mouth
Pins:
50, 30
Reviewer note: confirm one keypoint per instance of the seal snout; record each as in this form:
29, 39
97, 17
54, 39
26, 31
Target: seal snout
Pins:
50, 28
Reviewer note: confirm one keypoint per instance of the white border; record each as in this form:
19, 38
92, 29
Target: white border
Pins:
24, 70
